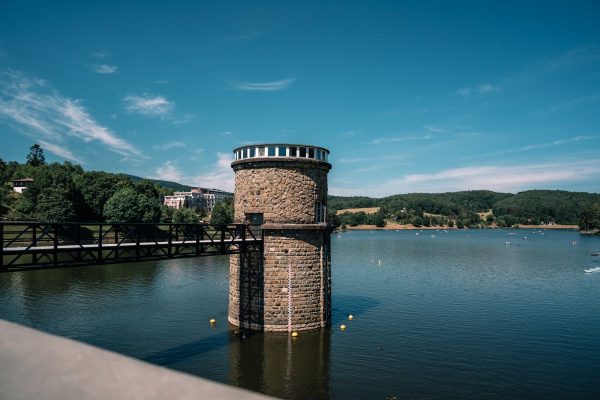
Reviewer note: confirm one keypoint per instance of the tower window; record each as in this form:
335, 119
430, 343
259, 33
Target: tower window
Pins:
320, 212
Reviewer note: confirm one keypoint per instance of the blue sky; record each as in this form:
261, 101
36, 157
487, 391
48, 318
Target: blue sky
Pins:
417, 96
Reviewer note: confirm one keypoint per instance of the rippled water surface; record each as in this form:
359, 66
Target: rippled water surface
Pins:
458, 315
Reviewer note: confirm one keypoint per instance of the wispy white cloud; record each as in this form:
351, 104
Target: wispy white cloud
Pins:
45, 114
574, 102
184, 119
221, 175
168, 146
403, 138
168, 172
273, 86
574, 56
105, 69
533, 146
479, 89
60, 151
492, 177
434, 129
371, 159
226, 133
548, 144
145, 104
99, 54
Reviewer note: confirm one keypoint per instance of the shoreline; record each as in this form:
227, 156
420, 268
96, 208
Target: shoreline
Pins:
409, 227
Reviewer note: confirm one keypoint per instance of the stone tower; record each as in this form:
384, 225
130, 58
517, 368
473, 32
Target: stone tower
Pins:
283, 187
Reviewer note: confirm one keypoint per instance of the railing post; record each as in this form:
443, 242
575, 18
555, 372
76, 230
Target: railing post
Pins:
78, 242
116, 231
55, 229
169, 250
34, 242
222, 239
137, 243
100, 260
1, 246
198, 239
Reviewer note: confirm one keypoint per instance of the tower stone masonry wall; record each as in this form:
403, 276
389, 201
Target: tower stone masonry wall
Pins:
288, 287
284, 191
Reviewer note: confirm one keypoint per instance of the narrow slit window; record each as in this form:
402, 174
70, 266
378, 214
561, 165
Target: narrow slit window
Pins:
302, 152
311, 152
319, 212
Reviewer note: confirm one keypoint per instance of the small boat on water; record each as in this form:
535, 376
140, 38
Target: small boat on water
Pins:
596, 253
591, 270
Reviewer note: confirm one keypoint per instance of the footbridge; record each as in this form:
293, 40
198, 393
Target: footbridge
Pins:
36, 245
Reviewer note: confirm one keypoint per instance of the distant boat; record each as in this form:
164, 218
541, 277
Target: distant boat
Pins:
595, 253
417, 233
592, 270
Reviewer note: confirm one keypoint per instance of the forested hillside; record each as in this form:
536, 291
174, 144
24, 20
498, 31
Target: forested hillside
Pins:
464, 208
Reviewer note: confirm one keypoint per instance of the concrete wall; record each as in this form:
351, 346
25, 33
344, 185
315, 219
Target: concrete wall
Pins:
36, 365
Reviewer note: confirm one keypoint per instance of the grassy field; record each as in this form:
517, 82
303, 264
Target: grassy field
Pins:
367, 210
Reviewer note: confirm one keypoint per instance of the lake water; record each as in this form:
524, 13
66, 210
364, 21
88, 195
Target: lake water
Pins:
458, 315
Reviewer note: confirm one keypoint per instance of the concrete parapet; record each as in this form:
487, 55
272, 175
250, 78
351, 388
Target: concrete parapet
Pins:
37, 365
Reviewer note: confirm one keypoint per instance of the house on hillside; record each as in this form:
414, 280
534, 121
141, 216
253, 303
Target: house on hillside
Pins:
19, 185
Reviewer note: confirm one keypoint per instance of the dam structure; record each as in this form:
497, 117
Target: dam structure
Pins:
287, 286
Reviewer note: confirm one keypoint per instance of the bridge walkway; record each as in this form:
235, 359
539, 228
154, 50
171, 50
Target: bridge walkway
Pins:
34, 245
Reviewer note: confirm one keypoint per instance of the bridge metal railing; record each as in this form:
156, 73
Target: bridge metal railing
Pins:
28, 245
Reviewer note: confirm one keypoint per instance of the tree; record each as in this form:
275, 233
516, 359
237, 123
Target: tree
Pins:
5, 199
185, 216
36, 158
222, 213
127, 205
55, 204
51, 176
96, 188
589, 219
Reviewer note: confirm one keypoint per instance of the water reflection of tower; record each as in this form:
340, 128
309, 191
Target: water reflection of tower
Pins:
283, 187
281, 366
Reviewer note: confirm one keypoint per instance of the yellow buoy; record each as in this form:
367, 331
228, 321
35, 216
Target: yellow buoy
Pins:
294, 334
343, 327
213, 321
350, 317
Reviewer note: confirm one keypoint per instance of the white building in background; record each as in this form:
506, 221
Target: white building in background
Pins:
19, 185
198, 198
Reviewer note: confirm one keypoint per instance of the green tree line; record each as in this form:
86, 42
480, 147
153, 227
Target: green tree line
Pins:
66, 193
462, 208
